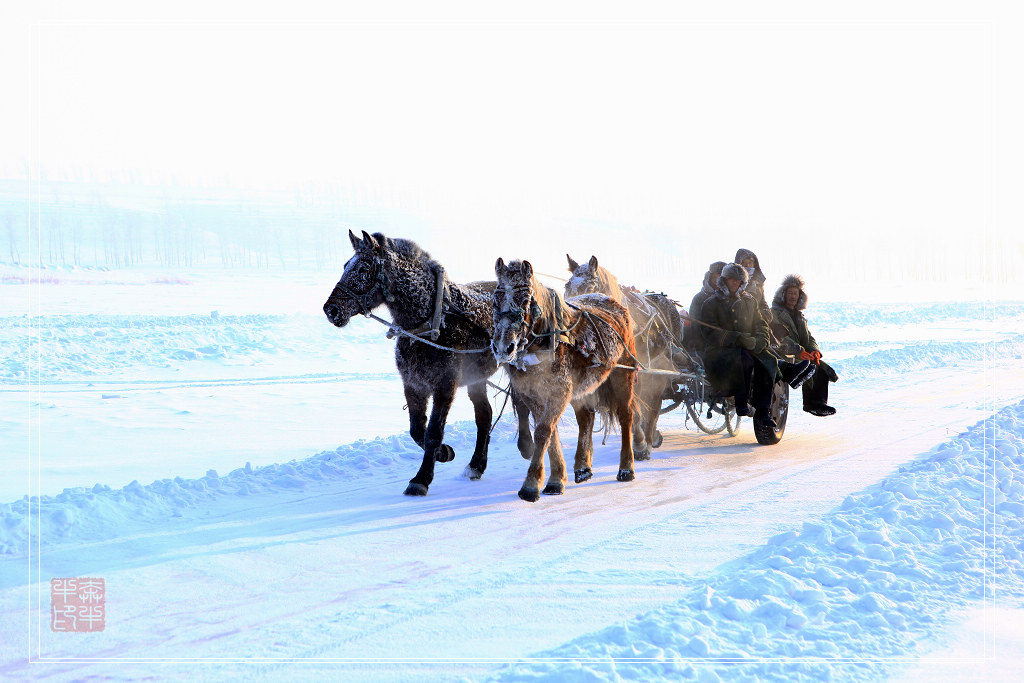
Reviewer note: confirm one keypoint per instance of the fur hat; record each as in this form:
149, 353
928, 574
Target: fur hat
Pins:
779, 300
736, 272
717, 267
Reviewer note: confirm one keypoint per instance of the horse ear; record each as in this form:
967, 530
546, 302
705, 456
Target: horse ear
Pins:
572, 264
356, 243
499, 267
527, 269
370, 242
593, 263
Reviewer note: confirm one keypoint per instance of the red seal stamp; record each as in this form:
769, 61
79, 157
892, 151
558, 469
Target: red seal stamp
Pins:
78, 605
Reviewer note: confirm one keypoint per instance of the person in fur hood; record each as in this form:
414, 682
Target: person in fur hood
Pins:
755, 288
693, 340
790, 326
736, 357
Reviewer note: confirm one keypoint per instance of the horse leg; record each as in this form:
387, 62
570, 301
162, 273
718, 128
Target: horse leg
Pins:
547, 419
653, 406
623, 388
641, 416
433, 448
557, 478
482, 411
416, 401
525, 441
584, 444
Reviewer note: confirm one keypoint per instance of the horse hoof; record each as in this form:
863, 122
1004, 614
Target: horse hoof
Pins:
583, 475
444, 453
642, 453
626, 475
554, 489
414, 489
529, 495
472, 473
659, 439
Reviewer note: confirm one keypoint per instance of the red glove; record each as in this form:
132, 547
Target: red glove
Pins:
803, 355
816, 355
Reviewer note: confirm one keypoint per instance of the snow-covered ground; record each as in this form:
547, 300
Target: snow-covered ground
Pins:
232, 466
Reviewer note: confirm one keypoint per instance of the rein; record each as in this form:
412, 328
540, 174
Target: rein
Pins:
771, 334
395, 330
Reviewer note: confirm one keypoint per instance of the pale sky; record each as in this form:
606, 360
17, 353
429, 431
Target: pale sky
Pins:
778, 132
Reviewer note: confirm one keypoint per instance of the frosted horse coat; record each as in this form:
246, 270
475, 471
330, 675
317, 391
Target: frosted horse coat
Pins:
400, 275
556, 354
658, 329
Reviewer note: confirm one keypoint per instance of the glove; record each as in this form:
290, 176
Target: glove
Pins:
804, 355
747, 341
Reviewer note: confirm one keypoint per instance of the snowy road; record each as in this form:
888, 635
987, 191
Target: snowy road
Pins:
354, 570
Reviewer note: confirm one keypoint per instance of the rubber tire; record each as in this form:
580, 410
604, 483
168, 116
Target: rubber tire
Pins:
766, 436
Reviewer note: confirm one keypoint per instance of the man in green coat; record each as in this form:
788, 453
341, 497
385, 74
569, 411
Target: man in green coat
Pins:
790, 326
736, 356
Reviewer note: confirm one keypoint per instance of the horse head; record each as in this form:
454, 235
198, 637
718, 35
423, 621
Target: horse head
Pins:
515, 309
591, 278
362, 286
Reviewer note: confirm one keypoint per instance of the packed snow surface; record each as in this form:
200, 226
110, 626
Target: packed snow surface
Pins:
272, 540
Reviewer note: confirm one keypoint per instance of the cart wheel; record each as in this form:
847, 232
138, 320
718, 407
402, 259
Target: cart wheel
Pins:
732, 420
699, 414
780, 411
658, 439
669, 406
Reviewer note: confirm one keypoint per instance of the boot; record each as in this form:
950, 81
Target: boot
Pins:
795, 374
742, 406
820, 410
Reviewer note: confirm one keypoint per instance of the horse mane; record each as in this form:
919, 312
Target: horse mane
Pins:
407, 248
610, 283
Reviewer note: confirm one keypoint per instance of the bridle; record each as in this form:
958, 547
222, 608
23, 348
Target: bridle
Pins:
377, 281
521, 317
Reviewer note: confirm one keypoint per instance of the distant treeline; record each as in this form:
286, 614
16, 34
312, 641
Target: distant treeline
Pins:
64, 228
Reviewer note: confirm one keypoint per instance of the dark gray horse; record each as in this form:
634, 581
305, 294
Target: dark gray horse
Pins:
400, 275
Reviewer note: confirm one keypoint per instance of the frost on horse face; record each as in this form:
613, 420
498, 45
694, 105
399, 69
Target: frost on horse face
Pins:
514, 310
591, 278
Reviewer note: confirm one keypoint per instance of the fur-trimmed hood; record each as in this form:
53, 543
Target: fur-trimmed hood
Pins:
758, 273
779, 301
736, 272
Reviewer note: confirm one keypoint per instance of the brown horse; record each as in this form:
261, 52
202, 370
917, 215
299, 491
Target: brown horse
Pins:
658, 329
556, 354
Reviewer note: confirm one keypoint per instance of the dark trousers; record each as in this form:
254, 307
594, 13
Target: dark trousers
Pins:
757, 383
816, 390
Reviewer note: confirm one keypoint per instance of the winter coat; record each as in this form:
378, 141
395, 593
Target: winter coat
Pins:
693, 338
733, 315
790, 326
